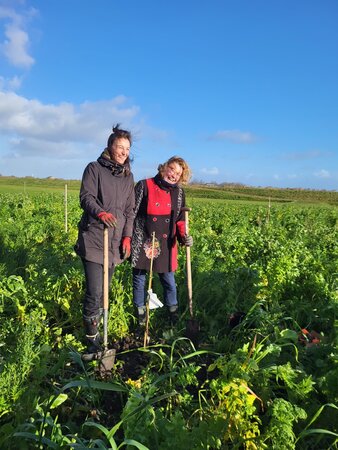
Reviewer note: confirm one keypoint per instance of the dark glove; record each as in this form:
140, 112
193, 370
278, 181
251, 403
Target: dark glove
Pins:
126, 246
107, 218
187, 240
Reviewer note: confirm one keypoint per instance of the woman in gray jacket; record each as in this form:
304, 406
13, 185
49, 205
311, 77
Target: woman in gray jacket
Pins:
107, 199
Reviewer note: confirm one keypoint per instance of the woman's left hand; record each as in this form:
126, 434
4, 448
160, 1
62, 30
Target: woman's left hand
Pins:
188, 240
126, 247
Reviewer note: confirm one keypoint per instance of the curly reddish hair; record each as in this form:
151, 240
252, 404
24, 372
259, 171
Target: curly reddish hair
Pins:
186, 172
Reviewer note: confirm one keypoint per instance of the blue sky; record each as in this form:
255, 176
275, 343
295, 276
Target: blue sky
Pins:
246, 91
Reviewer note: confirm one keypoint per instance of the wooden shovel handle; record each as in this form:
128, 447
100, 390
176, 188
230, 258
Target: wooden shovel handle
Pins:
188, 258
146, 331
105, 268
105, 286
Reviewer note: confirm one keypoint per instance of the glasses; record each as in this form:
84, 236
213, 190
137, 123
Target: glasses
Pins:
176, 173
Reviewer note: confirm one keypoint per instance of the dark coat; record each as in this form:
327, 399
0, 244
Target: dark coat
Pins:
158, 208
104, 188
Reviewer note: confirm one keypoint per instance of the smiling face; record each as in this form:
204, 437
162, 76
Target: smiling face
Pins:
172, 173
120, 150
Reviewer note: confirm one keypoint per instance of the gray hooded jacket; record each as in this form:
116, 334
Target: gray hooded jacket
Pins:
105, 187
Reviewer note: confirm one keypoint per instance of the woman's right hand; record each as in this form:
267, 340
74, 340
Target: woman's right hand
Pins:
108, 219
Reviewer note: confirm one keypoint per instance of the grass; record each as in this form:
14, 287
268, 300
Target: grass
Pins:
36, 185
247, 193
228, 192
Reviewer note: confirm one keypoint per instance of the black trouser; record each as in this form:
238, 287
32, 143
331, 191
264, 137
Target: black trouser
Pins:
93, 300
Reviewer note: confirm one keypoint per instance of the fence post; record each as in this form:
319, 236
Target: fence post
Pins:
66, 209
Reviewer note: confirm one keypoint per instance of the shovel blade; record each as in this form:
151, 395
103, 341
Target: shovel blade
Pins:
192, 331
107, 361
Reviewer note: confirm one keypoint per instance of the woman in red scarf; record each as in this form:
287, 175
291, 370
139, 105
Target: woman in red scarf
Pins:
159, 208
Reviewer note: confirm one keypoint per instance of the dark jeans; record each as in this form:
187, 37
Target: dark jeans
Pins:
93, 300
167, 280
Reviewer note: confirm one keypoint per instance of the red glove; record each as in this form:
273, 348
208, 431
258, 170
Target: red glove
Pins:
181, 228
107, 218
126, 246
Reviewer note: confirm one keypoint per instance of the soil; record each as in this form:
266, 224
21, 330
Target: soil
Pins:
129, 361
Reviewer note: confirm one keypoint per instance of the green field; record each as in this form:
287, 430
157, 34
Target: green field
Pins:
227, 192
262, 372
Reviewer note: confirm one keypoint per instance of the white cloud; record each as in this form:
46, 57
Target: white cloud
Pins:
322, 174
212, 171
9, 13
14, 83
10, 84
33, 118
63, 130
15, 46
310, 154
237, 136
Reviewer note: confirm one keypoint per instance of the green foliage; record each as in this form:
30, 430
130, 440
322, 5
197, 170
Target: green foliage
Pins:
282, 415
17, 367
253, 383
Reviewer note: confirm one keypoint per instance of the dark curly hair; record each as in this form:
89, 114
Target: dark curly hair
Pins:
118, 133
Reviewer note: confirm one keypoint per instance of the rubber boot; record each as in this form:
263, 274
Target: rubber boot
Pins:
141, 316
141, 323
93, 338
173, 315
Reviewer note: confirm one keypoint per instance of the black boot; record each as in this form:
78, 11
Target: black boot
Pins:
93, 338
94, 343
173, 315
